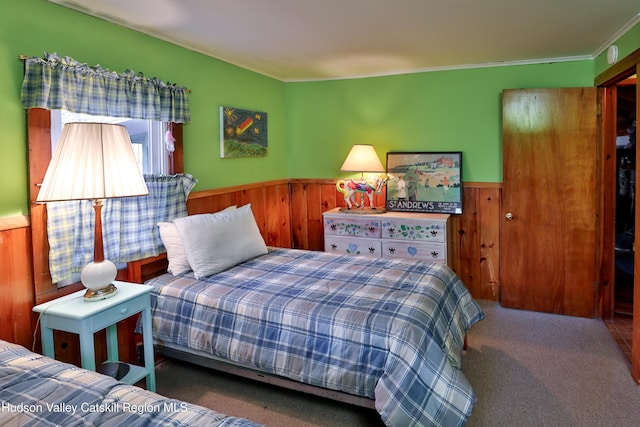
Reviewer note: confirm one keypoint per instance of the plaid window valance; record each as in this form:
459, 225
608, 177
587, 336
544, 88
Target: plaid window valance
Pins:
55, 82
129, 225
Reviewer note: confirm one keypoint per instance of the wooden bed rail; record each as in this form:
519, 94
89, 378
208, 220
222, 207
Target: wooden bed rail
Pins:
147, 268
213, 362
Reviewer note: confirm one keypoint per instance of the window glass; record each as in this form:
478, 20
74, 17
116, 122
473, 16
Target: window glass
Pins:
147, 137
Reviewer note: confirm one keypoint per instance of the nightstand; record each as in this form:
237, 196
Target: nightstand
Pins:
72, 313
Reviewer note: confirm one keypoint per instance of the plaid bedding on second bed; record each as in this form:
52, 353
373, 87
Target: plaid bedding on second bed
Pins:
387, 329
39, 391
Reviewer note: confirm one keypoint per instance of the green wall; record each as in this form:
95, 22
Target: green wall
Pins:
32, 27
437, 111
312, 125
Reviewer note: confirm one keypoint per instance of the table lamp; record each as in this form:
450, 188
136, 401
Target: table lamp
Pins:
362, 158
93, 161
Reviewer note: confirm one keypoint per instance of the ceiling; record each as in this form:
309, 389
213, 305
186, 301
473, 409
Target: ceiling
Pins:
301, 40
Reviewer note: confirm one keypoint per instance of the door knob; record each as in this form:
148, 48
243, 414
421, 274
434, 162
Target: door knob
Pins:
509, 216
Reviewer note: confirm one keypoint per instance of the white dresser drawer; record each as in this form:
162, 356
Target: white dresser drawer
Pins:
352, 225
414, 250
406, 235
353, 246
414, 229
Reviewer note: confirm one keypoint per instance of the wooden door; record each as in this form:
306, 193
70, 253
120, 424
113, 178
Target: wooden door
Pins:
548, 228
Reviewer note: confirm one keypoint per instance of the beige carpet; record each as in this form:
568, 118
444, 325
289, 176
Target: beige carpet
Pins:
528, 369
535, 369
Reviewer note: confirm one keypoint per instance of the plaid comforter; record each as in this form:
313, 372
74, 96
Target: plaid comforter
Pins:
386, 329
38, 391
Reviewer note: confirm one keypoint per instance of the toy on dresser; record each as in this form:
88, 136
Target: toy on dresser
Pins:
363, 187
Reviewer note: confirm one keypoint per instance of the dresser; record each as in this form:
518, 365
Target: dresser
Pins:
391, 234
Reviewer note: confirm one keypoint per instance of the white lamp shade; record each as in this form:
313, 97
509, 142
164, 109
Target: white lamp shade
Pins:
362, 158
92, 161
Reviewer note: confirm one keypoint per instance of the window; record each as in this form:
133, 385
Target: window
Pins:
147, 137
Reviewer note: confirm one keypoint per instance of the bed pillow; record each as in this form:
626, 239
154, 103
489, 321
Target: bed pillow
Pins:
172, 242
215, 242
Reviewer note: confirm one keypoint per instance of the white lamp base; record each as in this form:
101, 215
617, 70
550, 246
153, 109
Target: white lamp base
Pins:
97, 278
100, 294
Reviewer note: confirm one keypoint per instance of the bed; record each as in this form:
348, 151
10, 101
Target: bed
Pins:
37, 390
379, 332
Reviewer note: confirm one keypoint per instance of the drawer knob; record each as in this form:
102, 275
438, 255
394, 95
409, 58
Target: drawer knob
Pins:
124, 311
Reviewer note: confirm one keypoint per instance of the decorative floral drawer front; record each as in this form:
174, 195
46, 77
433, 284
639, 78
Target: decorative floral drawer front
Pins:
414, 250
352, 225
405, 235
406, 229
346, 245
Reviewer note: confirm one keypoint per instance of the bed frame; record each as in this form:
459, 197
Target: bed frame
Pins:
142, 270
210, 361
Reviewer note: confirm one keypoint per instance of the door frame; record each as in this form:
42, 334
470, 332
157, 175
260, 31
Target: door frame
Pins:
606, 200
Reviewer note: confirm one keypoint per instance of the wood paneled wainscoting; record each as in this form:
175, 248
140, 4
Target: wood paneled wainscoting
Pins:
289, 214
269, 202
16, 281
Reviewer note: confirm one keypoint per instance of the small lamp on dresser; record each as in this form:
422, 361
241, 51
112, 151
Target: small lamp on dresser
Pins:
93, 161
362, 158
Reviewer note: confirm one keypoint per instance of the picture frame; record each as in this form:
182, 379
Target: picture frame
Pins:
424, 182
243, 133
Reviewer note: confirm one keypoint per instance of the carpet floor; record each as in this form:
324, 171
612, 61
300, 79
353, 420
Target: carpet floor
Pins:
527, 369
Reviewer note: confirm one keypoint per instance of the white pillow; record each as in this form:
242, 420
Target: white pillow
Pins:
172, 242
215, 242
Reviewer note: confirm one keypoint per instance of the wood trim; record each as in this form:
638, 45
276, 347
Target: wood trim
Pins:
482, 185
607, 80
606, 200
236, 188
39, 142
635, 334
55, 292
13, 222
141, 270
177, 157
313, 181
619, 71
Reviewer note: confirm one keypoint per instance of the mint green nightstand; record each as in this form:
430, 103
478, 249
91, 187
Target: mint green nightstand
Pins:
72, 313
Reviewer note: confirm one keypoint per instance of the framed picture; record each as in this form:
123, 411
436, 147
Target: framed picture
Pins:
425, 182
243, 133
